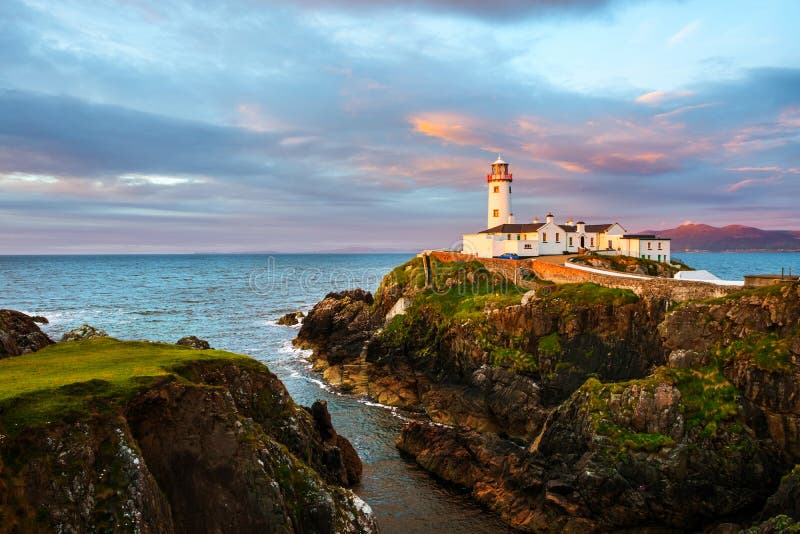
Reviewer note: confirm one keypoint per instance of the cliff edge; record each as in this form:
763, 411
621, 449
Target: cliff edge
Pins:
106, 435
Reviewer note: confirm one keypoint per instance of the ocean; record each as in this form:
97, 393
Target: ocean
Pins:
233, 301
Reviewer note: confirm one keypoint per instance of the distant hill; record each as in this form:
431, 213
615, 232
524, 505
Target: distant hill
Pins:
734, 237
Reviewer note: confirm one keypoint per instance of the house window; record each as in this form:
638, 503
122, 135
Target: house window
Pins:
525, 237
558, 237
527, 246
659, 257
570, 241
497, 189
544, 237
649, 245
659, 245
611, 246
591, 241
495, 213
509, 189
519, 237
509, 236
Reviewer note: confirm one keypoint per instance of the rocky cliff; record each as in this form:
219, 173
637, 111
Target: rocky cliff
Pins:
145, 437
19, 334
577, 407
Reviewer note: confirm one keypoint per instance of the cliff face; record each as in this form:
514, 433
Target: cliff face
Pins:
583, 408
211, 445
470, 356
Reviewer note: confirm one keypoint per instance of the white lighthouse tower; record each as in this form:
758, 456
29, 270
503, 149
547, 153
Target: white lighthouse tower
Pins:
499, 194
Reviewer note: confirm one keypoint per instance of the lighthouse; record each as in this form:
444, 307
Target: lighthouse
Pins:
499, 182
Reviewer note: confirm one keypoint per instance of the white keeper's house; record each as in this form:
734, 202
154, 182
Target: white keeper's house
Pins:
530, 239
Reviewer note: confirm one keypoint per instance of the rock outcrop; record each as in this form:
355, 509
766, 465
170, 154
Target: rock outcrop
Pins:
84, 331
19, 334
215, 445
586, 408
193, 342
290, 319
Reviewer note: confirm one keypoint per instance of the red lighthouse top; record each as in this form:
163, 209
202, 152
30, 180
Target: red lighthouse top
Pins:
499, 171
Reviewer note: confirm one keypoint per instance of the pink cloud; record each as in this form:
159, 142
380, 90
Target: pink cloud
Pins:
447, 126
654, 98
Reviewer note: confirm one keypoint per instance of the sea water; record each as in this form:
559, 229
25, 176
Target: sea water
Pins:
233, 301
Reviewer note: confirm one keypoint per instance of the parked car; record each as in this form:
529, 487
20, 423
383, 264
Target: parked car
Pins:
508, 256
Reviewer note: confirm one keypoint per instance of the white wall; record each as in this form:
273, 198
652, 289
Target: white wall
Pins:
480, 244
500, 201
547, 240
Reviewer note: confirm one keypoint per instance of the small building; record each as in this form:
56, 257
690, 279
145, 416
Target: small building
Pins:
645, 246
527, 240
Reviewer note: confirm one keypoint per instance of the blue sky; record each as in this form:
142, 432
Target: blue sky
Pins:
248, 125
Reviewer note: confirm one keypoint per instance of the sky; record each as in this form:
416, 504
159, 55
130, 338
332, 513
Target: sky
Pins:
183, 126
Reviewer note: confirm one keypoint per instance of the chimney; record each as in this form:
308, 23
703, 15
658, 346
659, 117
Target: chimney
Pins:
511, 218
535, 220
569, 221
549, 217
581, 227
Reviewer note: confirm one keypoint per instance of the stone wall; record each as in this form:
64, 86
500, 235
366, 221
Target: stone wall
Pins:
676, 290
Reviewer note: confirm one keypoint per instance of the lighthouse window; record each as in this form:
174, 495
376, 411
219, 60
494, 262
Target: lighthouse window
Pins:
497, 189
570, 241
495, 213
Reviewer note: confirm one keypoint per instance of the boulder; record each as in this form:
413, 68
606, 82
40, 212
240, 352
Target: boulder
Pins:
19, 334
84, 332
291, 318
193, 342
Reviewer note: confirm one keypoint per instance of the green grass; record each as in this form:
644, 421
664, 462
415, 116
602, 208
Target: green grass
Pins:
774, 290
518, 360
67, 379
589, 293
550, 345
768, 351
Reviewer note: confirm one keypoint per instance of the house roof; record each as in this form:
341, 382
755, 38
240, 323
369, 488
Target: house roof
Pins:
588, 228
534, 227
513, 228
645, 236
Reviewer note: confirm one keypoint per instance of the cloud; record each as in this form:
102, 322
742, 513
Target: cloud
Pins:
450, 127
498, 10
655, 98
686, 109
684, 33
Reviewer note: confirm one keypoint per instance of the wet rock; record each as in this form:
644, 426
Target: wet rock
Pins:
193, 342
84, 331
39, 319
19, 334
291, 318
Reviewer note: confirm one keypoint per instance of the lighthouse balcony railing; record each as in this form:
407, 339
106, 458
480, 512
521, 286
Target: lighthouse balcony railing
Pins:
490, 177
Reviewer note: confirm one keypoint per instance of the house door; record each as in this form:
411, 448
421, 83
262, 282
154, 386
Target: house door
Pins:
583, 242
